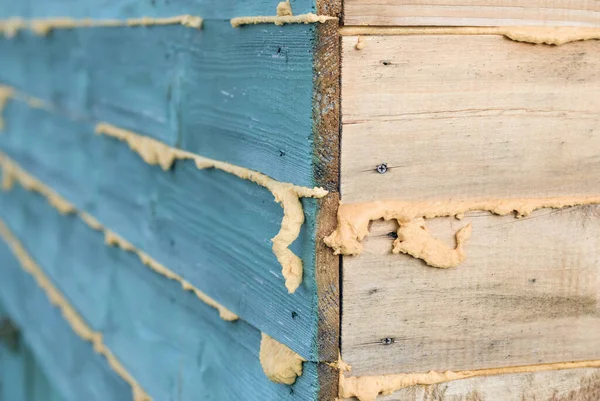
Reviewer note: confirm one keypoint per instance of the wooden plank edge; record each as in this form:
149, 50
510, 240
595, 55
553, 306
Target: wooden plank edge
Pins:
549, 35
326, 162
332, 8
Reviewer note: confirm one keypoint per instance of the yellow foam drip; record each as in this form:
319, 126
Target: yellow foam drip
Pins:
76, 322
287, 195
284, 9
280, 364
367, 388
549, 35
354, 219
42, 27
13, 173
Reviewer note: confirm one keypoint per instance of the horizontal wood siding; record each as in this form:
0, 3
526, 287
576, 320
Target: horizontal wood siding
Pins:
175, 346
208, 9
526, 294
71, 364
472, 12
210, 227
242, 96
564, 385
469, 116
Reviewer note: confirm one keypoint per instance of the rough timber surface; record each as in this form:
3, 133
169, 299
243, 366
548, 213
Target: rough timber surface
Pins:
526, 294
102, 9
242, 96
210, 227
175, 346
472, 12
326, 115
469, 117
564, 385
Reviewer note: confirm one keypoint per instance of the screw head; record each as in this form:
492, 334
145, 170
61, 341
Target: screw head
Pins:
382, 168
387, 341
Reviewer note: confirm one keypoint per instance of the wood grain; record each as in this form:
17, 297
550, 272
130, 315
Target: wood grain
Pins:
207, 9
326, 131
208, 226
469, 116
528, 293
175, 346
472, 12
243, 96
564, 385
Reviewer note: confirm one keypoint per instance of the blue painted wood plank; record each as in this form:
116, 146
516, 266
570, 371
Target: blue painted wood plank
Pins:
21, 377
174, 345
209, 9
212, 228
242, 96
71, 364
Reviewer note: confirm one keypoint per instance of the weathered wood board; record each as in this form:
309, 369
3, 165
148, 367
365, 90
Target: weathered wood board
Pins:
207, 9
498, 120
528, 293
564, 385
262, 97
469, 116
191, 89
170, 215
472, 12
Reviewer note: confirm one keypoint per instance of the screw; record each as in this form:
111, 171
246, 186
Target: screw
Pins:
382, 168
387, 341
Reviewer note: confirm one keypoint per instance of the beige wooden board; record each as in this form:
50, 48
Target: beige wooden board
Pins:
562, 385
528, 293
472, 12
469, 116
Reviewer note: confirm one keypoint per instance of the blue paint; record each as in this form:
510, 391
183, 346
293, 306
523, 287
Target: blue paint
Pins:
21, 377
71, 364
243, 96
209, 9
175, 346
210, 227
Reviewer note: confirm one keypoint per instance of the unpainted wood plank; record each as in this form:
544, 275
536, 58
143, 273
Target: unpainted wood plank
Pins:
472, 12
243, 95
326, 131
562, 385
528, 293
469, 116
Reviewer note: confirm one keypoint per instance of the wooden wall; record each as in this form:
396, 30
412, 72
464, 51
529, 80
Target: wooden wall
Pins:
472, 12
468, 117
248, 96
